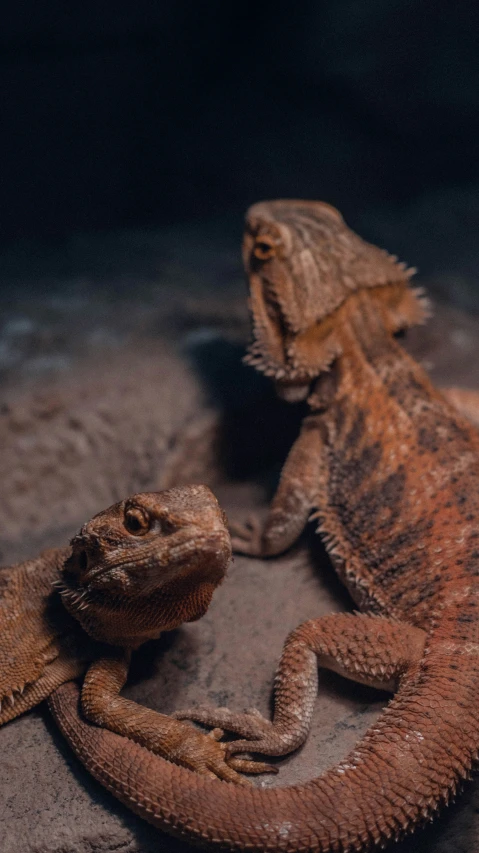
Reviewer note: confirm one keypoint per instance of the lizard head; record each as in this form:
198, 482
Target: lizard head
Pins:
303, 264
147, 564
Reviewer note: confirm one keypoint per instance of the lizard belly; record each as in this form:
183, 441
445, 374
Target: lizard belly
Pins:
403, 509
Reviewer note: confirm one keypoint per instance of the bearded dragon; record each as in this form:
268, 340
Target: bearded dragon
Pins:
143, 566
390, 470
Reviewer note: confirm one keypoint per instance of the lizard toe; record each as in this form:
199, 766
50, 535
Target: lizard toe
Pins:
272, 740
251, 724
247, 765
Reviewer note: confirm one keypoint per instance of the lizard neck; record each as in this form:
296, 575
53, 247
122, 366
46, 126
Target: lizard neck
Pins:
370, 358
125, 621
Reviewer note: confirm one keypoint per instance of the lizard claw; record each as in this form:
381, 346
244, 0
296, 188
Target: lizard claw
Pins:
246, 765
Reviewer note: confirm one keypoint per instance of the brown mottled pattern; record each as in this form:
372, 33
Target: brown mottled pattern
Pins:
391, 471
403, 475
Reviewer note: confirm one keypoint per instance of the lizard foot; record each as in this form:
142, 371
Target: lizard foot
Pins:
247, 536
258, 734
204, 754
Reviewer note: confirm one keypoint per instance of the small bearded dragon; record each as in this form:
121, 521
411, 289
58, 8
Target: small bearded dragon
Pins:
143, 566
390, 470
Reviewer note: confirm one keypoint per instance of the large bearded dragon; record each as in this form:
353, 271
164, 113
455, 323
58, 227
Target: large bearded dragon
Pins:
391, 471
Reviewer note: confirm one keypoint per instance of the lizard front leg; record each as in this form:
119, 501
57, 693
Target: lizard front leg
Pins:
169, 738
368, 649
300, 485
293, 501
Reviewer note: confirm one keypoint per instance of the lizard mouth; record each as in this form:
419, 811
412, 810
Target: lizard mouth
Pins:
78, 562
215, 552
81, 562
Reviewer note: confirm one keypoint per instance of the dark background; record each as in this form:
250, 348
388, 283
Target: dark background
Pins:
121, 114
120, 120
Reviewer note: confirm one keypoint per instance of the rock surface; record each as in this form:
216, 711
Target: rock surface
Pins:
135, 423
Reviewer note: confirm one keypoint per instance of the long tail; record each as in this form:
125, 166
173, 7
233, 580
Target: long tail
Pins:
405, 768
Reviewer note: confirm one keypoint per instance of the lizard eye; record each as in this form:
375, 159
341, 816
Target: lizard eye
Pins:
136, 521
264, 248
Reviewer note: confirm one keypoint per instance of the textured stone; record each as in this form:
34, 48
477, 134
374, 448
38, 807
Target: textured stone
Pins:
137, 422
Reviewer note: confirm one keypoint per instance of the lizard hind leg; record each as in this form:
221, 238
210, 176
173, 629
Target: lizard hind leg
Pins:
368, 649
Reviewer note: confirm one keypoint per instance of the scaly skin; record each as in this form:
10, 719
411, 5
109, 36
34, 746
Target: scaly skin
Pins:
143, 566
391, 470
